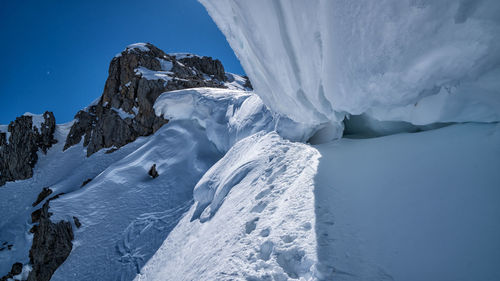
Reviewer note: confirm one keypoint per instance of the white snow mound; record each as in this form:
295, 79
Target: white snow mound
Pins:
252, 219
227, 115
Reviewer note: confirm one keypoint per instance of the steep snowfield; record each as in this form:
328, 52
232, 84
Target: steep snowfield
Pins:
252, 220
125, 214
416, 61
16, 197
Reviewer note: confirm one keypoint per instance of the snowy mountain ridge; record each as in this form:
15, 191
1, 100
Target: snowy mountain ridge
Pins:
178, 172
70, 169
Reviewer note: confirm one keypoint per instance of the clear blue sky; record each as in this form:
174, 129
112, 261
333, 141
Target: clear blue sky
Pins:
55, 53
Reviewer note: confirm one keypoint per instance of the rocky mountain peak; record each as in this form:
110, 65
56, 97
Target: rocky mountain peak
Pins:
137, 76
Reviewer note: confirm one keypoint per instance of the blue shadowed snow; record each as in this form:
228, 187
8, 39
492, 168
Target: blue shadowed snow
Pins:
411, 207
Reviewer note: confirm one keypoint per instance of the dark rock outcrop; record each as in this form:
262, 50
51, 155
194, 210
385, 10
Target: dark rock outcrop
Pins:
125, 110
247, 84
16, 269
3, 246
52, 244
18, 156
85, 182
77, 222
43, 194
152, 172
35, 216
206, 65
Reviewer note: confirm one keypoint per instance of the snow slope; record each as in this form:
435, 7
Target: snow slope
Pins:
421, 206
125, 214
252, 220
412, 60
413, 206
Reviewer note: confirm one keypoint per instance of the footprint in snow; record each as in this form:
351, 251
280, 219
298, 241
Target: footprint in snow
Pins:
251, 225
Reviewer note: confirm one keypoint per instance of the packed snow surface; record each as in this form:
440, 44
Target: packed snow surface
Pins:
405, 60
253, 218
125, 214
421, 206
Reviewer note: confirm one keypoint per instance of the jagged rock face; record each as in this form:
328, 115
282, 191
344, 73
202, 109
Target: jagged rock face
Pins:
206, 65
247, 84
52, 244
136, 78
43, 194
18, 156
103, 127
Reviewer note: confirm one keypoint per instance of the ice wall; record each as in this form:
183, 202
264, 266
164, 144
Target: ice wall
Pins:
420, 61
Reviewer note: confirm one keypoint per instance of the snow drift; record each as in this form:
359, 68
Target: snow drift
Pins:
413, 60
228, 115
253, 218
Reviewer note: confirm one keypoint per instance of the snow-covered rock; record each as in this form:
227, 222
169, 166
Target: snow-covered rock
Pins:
136, 78
416, 61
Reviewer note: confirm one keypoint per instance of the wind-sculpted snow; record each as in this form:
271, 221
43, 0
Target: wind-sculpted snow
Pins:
125, 214
227, 115
412, 60
253, 218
